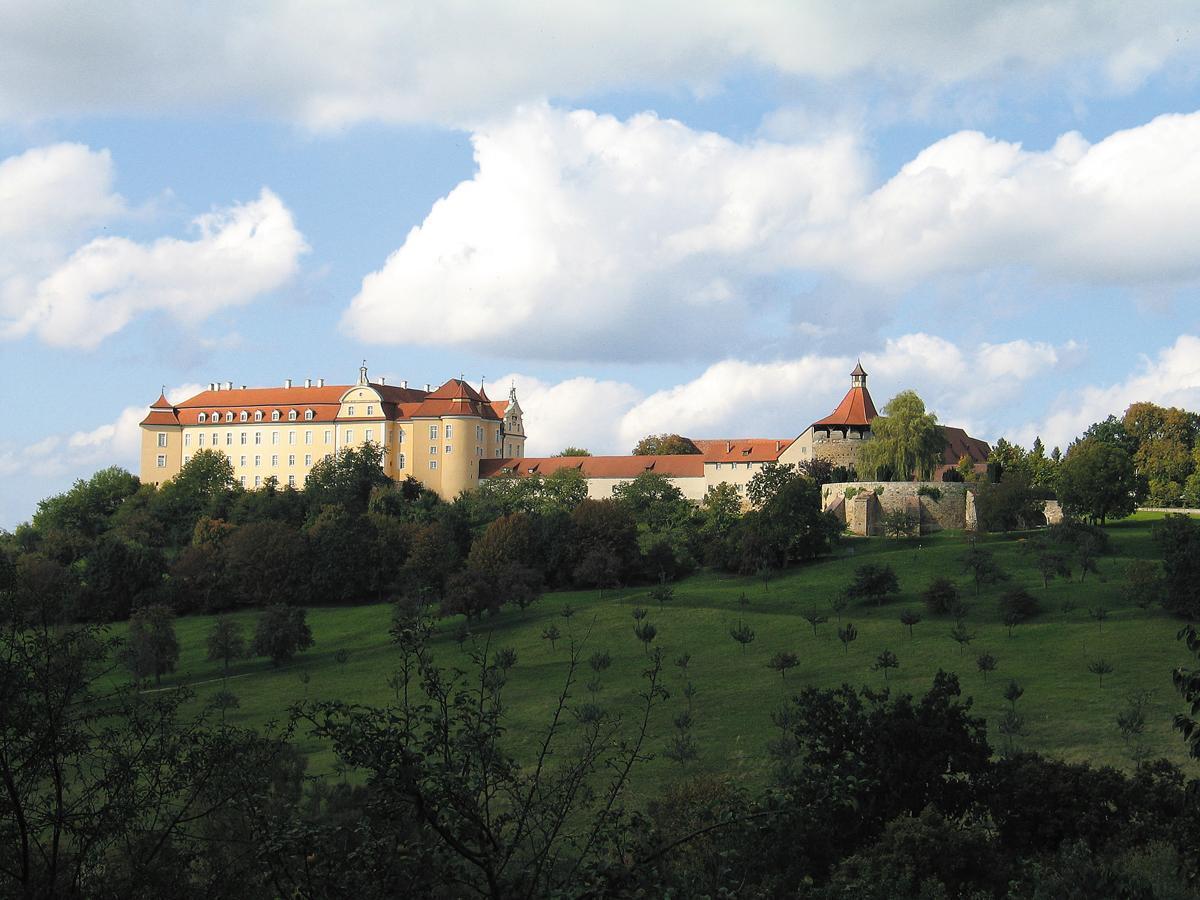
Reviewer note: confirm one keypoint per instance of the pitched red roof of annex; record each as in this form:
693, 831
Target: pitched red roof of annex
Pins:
741, 449
682, 466
856, 408
960, 444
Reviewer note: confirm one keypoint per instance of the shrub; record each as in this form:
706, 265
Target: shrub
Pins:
941, 596
932, 493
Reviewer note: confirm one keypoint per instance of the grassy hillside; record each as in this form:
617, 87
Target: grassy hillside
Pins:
1068, 715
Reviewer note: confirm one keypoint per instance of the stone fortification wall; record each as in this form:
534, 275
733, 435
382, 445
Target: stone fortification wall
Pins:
839, 451
944, 504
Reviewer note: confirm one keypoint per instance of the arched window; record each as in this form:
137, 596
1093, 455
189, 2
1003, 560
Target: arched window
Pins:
258, 415
275, 416
201, 418
308, 415
244, 416
292, 416
228, 417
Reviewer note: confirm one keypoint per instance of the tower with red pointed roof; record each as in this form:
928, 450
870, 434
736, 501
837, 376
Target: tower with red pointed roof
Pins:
837, 436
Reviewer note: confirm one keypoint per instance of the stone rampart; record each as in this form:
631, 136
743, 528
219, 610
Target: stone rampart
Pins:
937, 504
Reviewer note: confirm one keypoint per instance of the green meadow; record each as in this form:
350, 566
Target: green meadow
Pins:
1067, 713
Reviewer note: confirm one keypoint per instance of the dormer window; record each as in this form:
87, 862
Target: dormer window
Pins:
244, 416
216, 416
228, 417
292, 416
308, 415
275, 415
258, 415
202, 418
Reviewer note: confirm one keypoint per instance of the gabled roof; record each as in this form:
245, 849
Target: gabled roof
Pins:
682, 466
856, 408
741, 449
960, 444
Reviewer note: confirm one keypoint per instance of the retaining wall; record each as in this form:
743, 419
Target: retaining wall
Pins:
944, 504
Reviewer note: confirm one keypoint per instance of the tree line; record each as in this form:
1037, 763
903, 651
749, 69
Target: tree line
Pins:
203, 543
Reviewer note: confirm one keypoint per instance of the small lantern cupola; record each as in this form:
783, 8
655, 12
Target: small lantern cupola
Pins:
362, 373
858, 378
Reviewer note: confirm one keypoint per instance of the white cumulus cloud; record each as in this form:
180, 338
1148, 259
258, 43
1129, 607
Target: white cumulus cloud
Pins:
71, 291
581, 235
1169, 378
972, 387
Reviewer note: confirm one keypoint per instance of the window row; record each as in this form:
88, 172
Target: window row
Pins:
244, 438
257, 416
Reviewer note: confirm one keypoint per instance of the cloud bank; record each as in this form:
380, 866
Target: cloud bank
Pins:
582, 235
328, 65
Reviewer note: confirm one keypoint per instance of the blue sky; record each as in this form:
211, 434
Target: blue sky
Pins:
650, 216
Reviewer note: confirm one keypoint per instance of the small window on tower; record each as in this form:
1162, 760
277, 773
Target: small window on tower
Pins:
162, 461
162, 439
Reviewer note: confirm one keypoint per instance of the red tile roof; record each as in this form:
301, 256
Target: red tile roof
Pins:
161, 417
683, 466
960, 444
741, 449
454, 398
856, 408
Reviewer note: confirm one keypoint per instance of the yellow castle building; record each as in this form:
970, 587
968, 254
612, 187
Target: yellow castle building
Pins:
436, 436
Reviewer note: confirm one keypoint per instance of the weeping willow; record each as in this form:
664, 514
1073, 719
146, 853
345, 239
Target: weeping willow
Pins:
905, 441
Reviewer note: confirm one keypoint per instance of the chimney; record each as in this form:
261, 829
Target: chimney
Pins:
320, 382
404, 383
287, 382
212, 386
428, 388
243, 387
308, 382
729, 446
778, 446
382, 380
229, 385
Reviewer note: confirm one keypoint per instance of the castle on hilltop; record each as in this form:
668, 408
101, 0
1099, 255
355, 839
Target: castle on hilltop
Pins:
837, 438
452, 438
436, 436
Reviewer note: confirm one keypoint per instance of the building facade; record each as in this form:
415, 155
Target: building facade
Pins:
436, 436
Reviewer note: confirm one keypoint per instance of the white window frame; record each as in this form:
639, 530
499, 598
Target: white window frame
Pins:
162, 460
162, 439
